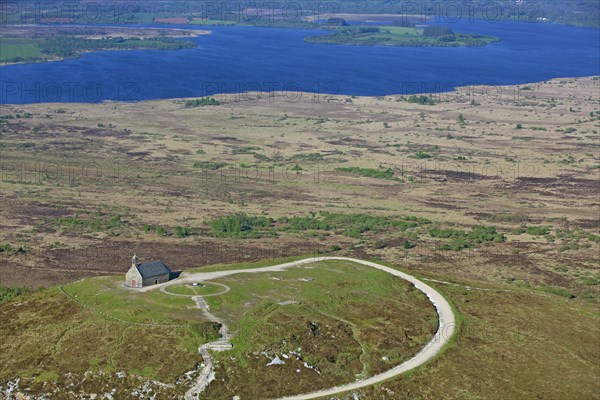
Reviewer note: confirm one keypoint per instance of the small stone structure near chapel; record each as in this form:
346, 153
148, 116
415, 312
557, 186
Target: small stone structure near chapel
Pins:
147, 274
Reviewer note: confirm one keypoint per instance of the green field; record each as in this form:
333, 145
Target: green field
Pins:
19, 48
14, 49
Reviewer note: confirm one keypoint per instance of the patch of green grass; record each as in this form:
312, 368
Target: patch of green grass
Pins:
205, 101
465, 240
187, 290
308, 157
147, 372
181, 232
538, 230
209, 165
246, 265
91, 223
422, 99
352, 225
523, 138
19, 49
421, 155
183, 289
8, 249
47, 376
9, 293
398, 30
109, 297
590, 281
240, 225
559, 291
387, 174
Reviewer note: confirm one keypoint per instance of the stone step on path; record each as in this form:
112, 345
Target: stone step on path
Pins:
207, 374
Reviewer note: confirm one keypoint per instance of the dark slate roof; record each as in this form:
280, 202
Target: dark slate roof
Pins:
153, 268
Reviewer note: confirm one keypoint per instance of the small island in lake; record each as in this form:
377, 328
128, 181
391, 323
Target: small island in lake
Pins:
406, 35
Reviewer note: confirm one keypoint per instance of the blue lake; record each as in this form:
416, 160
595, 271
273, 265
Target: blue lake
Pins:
239, 59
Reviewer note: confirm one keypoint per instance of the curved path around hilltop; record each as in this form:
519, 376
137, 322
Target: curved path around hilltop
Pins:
446, 326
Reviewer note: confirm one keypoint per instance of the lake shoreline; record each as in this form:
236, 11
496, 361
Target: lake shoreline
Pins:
24, 31
514, 92
248, 59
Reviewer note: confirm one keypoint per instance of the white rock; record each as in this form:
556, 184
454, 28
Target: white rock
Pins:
276, 361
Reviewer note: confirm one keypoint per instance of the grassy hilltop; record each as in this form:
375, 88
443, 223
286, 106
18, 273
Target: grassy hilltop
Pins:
98, 330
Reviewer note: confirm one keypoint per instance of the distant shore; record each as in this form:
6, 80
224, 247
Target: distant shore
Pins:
22, 41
